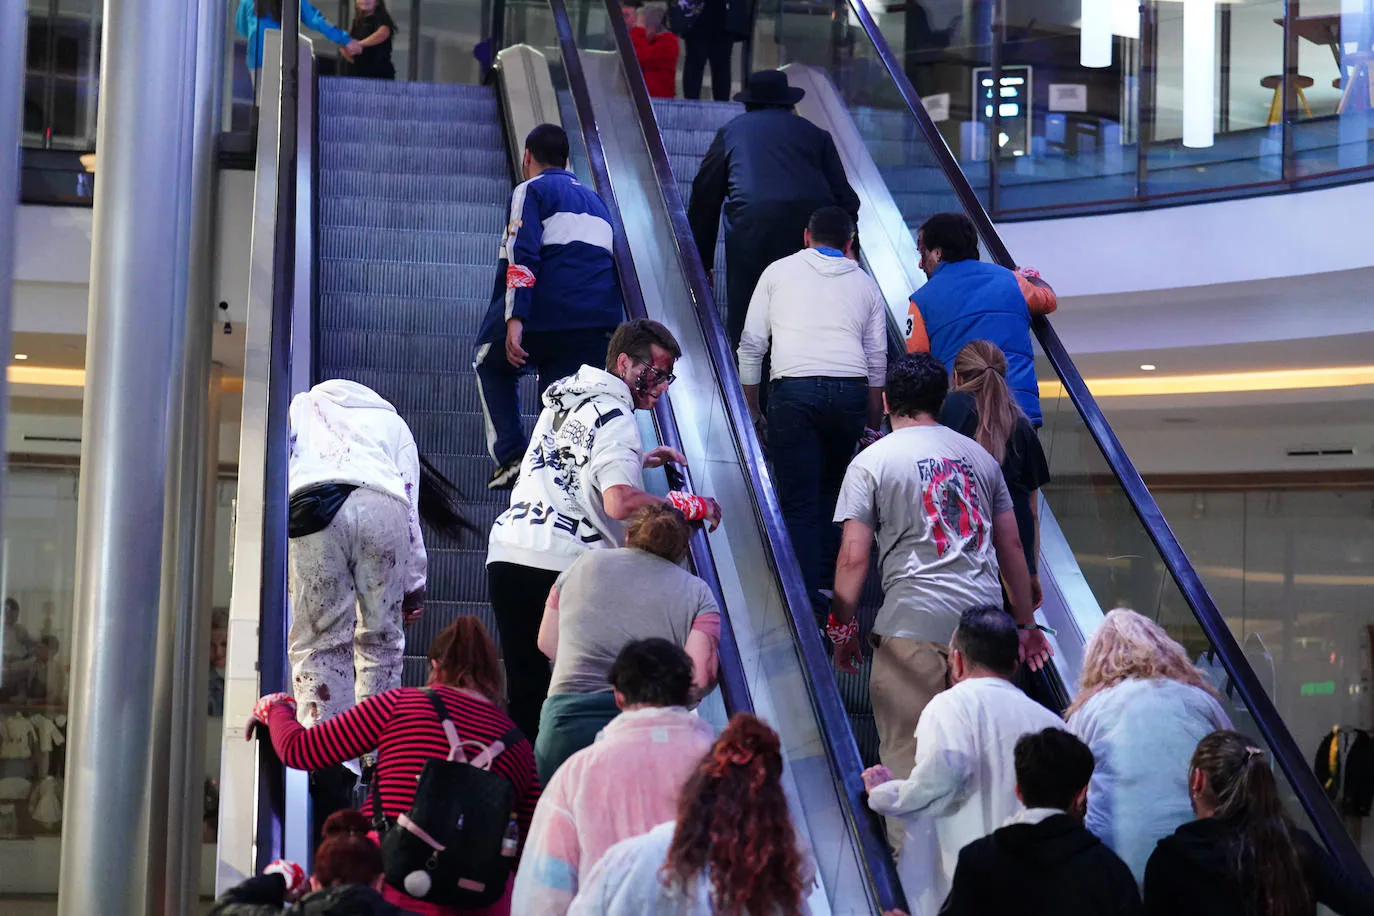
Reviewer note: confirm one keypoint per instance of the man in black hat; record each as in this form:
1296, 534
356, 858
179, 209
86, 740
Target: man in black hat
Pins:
770, 169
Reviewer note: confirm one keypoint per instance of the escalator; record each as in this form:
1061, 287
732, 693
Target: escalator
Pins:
414, 187
409, 210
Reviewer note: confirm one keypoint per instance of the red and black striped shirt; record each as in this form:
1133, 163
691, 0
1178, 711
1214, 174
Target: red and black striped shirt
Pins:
400, 725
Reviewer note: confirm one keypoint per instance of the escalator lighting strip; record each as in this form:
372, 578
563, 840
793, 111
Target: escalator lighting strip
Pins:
57, 377
1224, 382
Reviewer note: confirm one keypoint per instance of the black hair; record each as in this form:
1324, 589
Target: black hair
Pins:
953, 234
1266, 863
547, 144
831, 226
652, 672
987, 637
632, 4
439, 501
916, 383
1052, 767
269, 8
11, 607
380, 12
636, 339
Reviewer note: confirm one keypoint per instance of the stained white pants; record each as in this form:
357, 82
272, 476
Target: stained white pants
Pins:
347, 584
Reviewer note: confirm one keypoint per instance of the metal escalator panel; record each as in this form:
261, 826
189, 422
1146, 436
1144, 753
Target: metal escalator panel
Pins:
778, 648
1104, 541
414, 181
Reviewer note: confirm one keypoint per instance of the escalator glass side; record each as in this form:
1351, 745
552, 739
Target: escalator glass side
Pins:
1115, 547
777, 677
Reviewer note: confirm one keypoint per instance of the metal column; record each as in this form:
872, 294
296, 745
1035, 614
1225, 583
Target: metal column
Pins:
12, 39
183, 656
135, 356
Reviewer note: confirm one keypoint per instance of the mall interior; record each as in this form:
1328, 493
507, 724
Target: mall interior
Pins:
194, 243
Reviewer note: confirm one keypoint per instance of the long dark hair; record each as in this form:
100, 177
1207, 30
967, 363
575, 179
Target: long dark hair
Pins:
439, 502
379, 9
270, 8
732, 820
1267, 867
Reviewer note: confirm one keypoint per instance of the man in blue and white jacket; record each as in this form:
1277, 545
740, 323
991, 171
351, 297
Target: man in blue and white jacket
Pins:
556, 300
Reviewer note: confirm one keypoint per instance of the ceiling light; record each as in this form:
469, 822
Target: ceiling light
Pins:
1148, 367
1215, 383
21, 356
1199, 71
1095, 34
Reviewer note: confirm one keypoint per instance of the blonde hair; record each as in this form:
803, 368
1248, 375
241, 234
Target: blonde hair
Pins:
1129, 645
982, 370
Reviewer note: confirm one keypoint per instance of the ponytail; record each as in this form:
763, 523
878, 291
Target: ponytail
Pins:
1267, 864
982, 370
439, 500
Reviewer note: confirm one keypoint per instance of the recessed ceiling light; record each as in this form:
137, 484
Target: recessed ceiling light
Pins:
1147, 367
21, 356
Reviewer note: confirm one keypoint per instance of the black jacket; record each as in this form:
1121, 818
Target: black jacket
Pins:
1053, 868
265, 896
765, 167
1190, 874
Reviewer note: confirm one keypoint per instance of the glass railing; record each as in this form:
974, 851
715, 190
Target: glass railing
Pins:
1117, 548
1142, 104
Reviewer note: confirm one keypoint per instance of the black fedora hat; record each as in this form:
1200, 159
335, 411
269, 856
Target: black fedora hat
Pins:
769, 87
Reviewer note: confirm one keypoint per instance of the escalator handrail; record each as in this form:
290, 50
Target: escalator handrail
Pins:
836, 733
733, 686
272, 627
1286, 751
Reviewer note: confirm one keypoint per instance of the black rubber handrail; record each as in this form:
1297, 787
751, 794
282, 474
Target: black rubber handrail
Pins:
272, 626
837, 735
733, 686
1286, 751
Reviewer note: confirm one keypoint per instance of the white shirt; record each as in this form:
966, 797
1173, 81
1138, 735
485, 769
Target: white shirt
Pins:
825, 317
964, 783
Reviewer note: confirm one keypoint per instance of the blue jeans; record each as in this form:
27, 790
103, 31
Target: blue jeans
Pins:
814, 425
568, 723
553, 355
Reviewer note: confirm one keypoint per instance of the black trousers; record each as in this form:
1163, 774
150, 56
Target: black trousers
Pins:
518, 594
715, 49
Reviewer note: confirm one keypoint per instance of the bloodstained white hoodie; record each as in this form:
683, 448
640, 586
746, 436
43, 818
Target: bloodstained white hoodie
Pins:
343, 432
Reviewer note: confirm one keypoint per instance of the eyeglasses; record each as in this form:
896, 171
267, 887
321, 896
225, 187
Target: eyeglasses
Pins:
658, 375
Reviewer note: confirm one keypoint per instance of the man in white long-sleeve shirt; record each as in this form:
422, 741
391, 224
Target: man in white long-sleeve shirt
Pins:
964, 784
826, 321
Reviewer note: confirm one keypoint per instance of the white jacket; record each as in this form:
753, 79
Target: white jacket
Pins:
586, 441
343, 432
964, 784
824, 316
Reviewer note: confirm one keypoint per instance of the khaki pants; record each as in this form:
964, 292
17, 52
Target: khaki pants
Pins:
906, 674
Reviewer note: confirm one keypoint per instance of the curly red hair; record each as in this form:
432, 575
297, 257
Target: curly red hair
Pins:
733, 822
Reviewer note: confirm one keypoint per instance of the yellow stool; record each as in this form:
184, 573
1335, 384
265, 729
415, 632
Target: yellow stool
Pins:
1276, 107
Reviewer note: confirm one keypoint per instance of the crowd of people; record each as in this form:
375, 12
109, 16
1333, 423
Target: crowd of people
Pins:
570, 772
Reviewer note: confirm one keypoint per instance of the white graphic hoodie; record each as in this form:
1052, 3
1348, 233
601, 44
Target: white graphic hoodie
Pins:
586, 441
343, 432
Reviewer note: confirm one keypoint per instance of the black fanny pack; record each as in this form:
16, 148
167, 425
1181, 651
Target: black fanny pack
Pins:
313, 508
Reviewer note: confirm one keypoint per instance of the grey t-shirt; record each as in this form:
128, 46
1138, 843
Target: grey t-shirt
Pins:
931, 495
610, 597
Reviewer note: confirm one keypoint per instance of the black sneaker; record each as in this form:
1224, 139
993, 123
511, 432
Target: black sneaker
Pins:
504, 477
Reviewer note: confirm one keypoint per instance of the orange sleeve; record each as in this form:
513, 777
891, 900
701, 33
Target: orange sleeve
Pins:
1040, 297
916, 339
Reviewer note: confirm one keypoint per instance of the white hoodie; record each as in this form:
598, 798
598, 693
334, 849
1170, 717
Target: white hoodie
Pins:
825, 316
586, 441
343, 432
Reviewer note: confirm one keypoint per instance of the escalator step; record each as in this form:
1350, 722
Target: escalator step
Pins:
359, 244
470, 189
389, 132
403, 314
457, 108
436, 217
416, 160
400, 278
